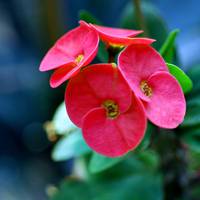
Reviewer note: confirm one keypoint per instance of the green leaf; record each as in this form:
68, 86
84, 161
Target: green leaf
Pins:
102, 54
167, 50
70, 146
100, 163
61, 121
192, 138
183, 79
88, 17
147, 138
73, 189
137, 187
192, 117
194, 74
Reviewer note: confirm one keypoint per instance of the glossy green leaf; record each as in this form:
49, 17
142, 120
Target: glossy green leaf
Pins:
100, 163
167, 50
88, 17
183, 79
61, 121
70, 146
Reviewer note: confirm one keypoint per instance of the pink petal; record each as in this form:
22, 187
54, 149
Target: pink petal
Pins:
81, 40
141, 40
92, 86
79, 99
108, 83
55, 58
62, 74
115, 35
115, 137
167, 106
137, 62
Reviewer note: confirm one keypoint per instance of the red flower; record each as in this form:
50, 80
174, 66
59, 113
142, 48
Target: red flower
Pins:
148, 76
119, 37
99, 101
75, 49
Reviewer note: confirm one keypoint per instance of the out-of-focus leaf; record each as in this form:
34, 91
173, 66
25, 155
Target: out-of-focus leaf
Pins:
190, 128
192, 117
70, 146
102, 54
167, 50
100, 163
73, 190
88, 17
194, 74
192, 138
156, 26
183, 79
61, 121
147, 138
137, 187
150, 159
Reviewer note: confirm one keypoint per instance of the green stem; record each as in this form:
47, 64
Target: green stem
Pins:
140, 19
112, 52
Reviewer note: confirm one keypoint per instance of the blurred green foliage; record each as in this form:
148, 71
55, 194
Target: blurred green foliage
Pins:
135, 187
155, 25
167, 50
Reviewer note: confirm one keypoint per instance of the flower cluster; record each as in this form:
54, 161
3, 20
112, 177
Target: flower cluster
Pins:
112, 102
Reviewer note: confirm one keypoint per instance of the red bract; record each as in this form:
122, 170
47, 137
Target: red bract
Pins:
100, 101
75, 49
122, 37
148, 76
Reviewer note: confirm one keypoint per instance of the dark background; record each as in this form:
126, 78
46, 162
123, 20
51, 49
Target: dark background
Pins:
27, 29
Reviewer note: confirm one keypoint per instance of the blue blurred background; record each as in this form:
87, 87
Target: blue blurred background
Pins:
27, 29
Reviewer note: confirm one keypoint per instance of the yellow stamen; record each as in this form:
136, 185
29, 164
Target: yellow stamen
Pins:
79, 58
116, 46
113, 65
146, 89
112, 109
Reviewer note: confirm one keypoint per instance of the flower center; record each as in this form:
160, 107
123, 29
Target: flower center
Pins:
79, 58
112, 109
146, 89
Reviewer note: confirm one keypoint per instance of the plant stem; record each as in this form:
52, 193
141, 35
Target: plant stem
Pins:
173, 165
112, 52
111, 57
140, 19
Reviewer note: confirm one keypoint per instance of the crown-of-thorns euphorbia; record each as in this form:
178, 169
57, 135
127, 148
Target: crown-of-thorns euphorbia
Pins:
148, 76
110, 104
75, 49
99, 101
120, 37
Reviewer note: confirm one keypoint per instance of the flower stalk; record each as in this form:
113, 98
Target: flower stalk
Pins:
173, 164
